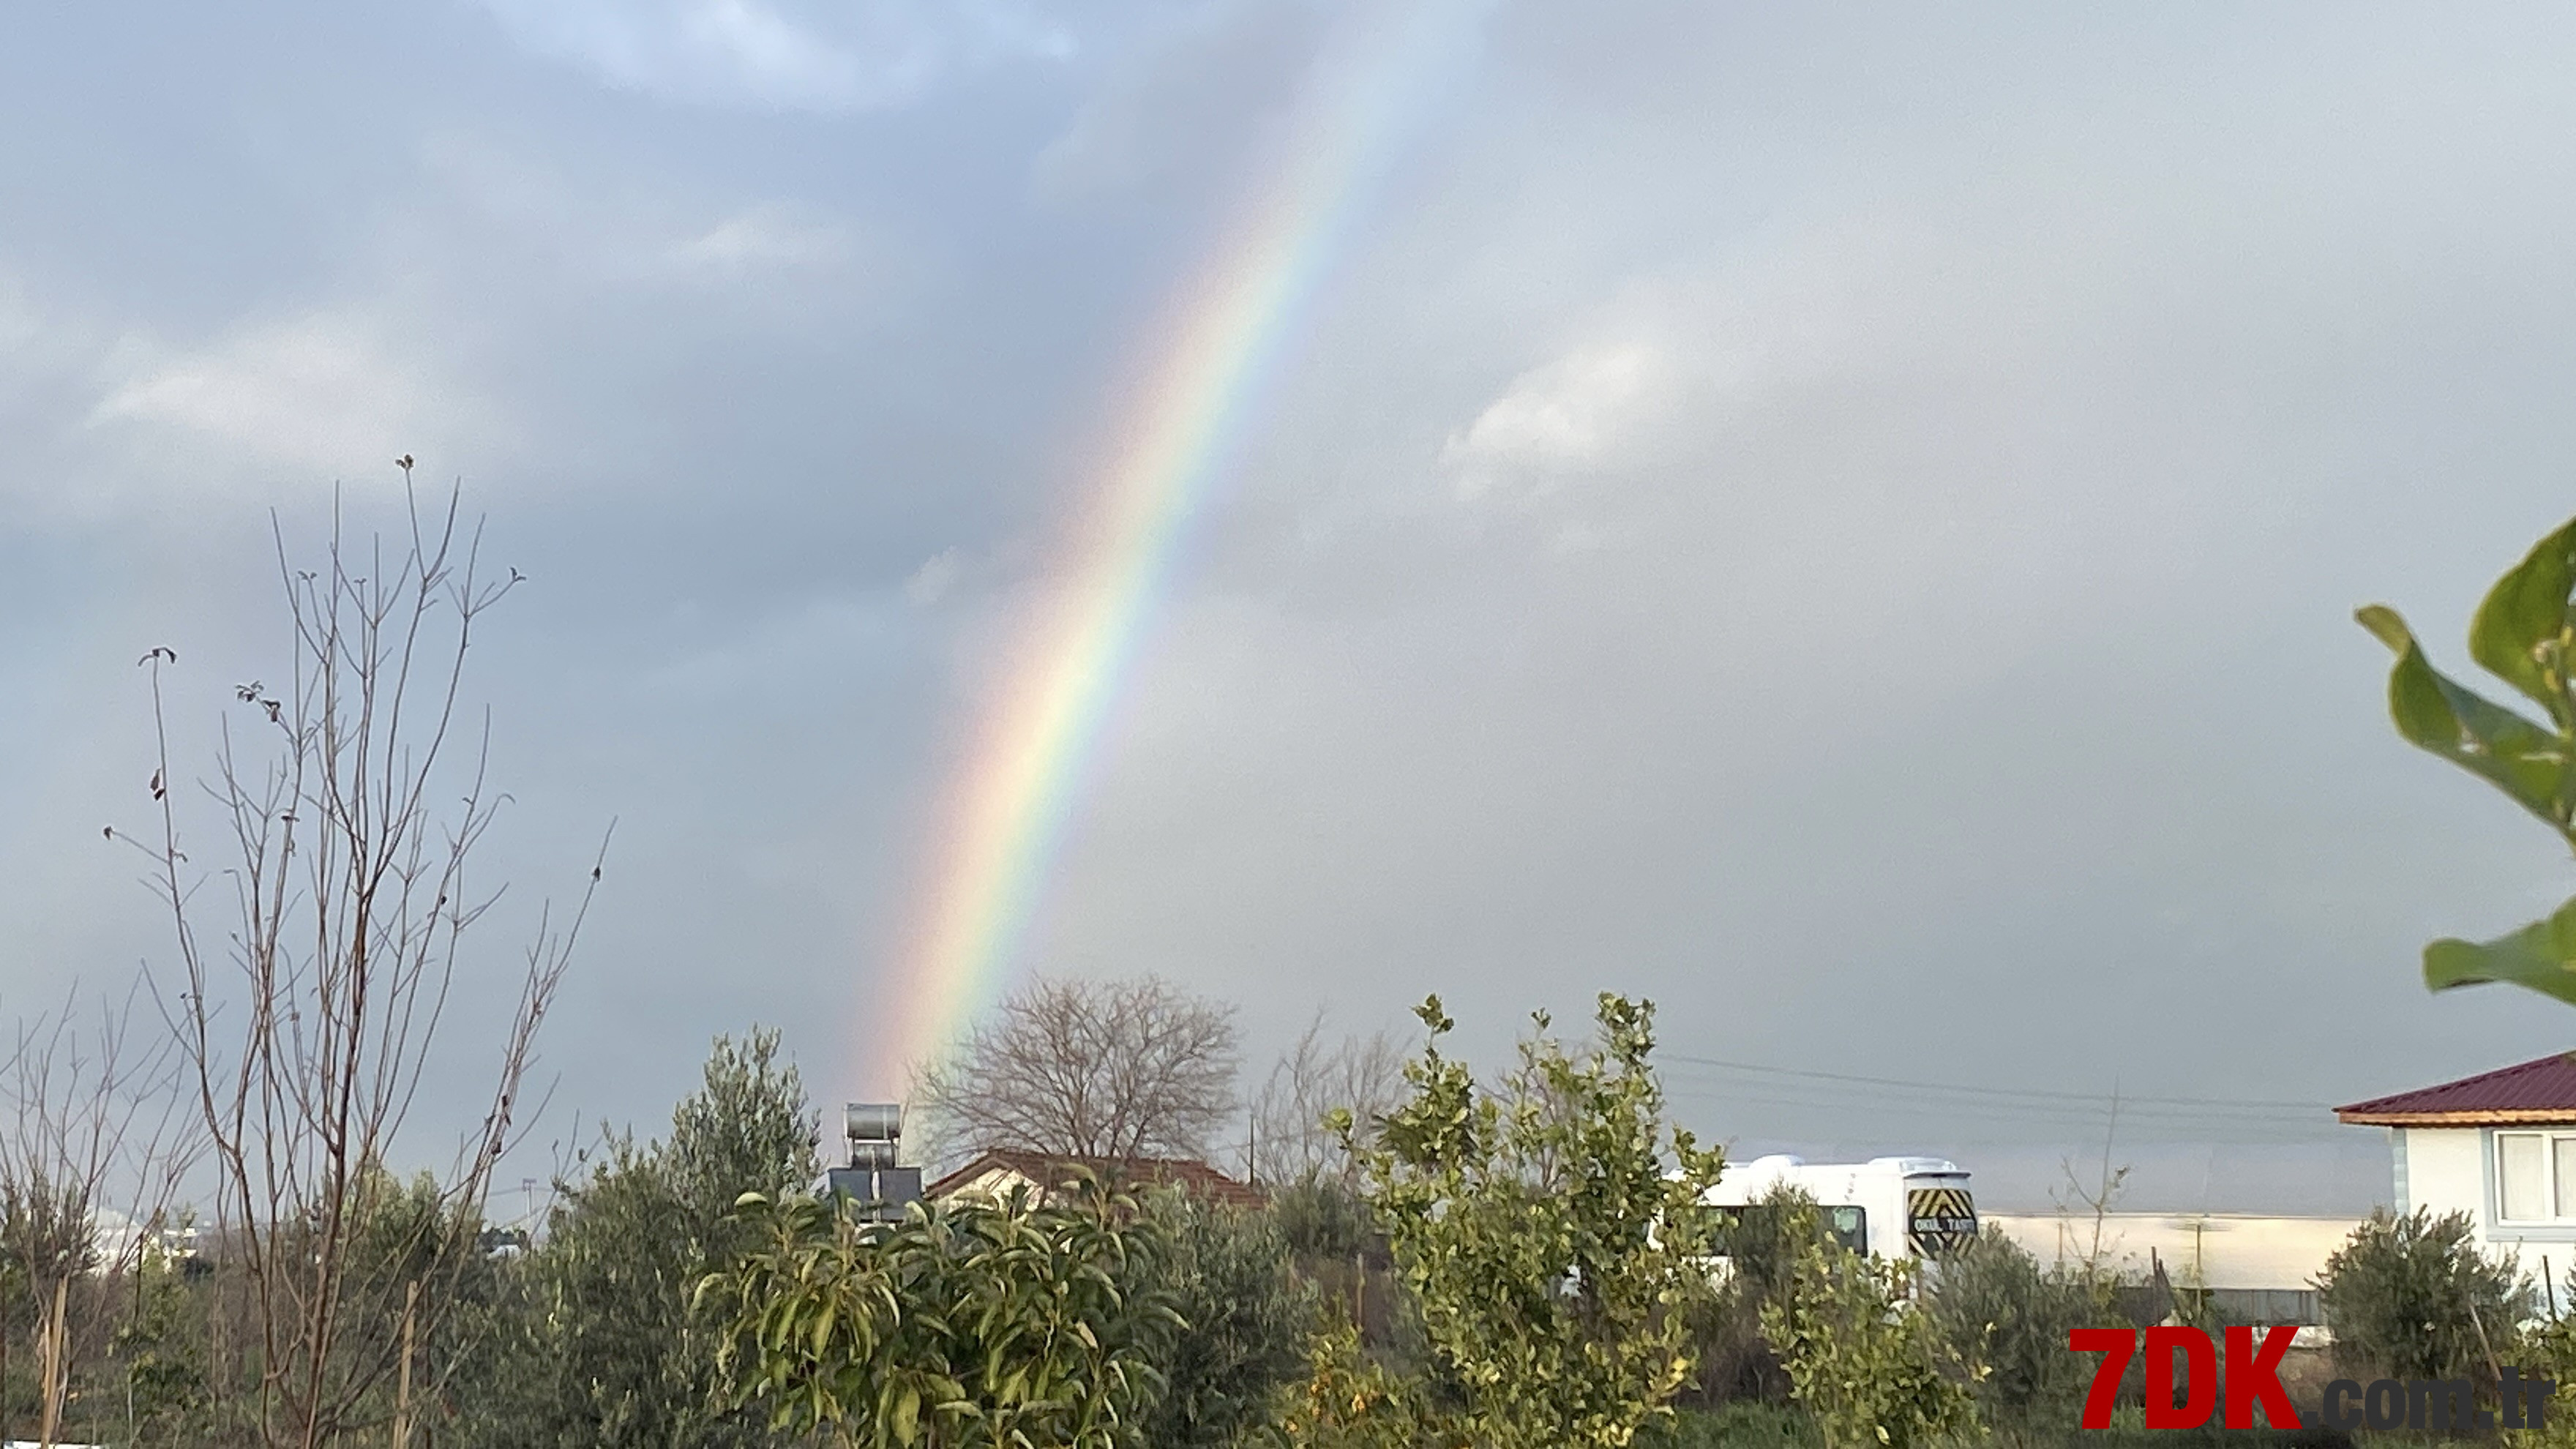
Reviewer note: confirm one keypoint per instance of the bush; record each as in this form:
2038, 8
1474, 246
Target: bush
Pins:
1861, 1358
2549, 1352
1994, 1306
2412, 1297
1226, 1272
1324, 1220
1760, 1245
1734, 1426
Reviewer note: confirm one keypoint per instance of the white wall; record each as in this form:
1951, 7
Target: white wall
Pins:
2198, 1250
2452, 1169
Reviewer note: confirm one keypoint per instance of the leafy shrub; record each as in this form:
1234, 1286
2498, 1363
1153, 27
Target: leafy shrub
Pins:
1760, 1245
2549, 1352
1734, 1426
1994, 1306
1549, 1230
1348, 1400
1323, 1219
1862, 1358
967, 1324
2412, 1297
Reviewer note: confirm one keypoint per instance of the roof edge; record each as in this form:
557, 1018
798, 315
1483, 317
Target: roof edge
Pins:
2474, 1117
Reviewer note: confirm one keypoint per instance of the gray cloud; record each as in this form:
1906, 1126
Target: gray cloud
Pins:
1844, 523
791, 56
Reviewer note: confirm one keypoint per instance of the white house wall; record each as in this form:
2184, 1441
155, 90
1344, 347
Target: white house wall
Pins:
2446, 1172
2452, 1169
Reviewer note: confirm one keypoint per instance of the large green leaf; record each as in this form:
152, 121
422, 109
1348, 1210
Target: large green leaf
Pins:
2520, 633
2541, 956
2524, 760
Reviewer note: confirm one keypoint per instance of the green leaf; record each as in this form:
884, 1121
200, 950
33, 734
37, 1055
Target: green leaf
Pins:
907, 1416
2541, 956
2525, 761
2521, 629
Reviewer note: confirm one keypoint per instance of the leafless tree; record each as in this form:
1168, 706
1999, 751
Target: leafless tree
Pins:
307, 1016
98, 1140
1100, 1069
1288, 1140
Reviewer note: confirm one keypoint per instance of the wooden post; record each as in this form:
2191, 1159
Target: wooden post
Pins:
402, 1381
51, 1421
1359, 1295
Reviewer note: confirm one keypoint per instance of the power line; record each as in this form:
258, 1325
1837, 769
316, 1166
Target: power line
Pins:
2124, 1100
2071, 1116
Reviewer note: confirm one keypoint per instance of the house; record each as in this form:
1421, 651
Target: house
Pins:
2500, 1147
994, 1175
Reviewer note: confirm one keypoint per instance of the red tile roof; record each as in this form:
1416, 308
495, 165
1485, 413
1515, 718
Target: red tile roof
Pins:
2535, 1091
1188, 1174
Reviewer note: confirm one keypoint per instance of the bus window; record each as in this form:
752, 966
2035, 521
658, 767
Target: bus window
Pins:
1849, 1226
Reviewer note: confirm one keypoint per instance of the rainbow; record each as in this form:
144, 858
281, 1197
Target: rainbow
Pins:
1004, 817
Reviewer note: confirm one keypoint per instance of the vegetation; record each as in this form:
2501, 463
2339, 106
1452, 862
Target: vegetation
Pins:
968, 1324
1228, 1274
1862, 1357
2412, 1297
1516, 1261
595, 1342
1094, 1070
2524, 633
1997, 1309
1550, 1233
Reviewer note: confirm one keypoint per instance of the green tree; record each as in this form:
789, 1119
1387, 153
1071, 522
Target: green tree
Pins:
2412, 1297
2524, 633
1550, 1231
1862, 1357
968, 1324
596, 1344
1227, 1273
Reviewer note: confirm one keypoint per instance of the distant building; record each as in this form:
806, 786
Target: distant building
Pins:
994, 1176
2251, 1268
2500, 1147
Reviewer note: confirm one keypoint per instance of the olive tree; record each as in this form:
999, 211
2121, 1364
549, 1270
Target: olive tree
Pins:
2412, 1297
596, 1344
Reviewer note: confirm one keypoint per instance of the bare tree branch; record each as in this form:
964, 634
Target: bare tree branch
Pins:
306, 1024
1289, 1142
1117, 1069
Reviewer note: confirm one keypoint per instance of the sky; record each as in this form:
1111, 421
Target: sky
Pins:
1842, 520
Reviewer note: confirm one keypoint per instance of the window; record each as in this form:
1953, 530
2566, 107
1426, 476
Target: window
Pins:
2535, 1177
1846, 1225
1850, 1226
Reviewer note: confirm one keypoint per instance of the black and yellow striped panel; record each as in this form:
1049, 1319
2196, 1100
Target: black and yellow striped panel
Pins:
1939, 1221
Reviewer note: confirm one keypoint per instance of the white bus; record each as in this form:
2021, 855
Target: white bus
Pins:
1892, 1207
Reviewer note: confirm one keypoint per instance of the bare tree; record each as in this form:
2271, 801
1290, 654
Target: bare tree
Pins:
1100, 1069
98, 1141
305, 1027
1289, 1141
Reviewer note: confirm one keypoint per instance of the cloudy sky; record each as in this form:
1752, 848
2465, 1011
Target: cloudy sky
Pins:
1841, 520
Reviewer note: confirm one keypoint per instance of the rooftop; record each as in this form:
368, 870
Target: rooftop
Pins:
1188, 1174
2543, 1090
